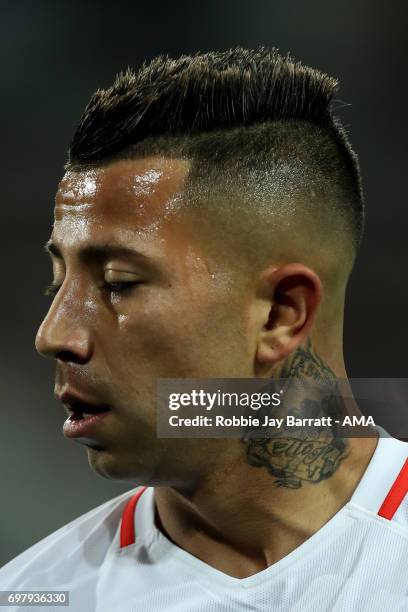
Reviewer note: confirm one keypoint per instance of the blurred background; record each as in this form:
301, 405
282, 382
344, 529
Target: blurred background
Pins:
54, 55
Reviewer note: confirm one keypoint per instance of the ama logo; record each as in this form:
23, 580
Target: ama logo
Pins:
358, 420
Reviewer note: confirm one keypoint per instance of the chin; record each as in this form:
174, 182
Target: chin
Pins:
111, 467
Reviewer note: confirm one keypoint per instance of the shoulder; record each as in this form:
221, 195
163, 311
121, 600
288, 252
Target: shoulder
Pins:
82, 542
397, 498
383, 489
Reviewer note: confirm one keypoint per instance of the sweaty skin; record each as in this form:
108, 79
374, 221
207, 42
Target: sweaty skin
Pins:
139, 297
113, 344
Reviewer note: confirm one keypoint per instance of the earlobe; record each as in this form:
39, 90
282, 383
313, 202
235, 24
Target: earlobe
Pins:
295, 293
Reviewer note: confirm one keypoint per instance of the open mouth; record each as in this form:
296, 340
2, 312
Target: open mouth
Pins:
81, 411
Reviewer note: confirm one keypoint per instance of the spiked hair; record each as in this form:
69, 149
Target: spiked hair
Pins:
247, 105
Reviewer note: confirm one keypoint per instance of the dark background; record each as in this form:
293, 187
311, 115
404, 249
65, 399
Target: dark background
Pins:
53, 56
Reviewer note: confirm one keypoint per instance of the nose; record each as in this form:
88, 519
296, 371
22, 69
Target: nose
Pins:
65, 333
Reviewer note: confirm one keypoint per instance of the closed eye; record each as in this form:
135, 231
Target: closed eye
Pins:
119, 287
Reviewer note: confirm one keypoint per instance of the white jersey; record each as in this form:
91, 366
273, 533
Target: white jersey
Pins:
114, 559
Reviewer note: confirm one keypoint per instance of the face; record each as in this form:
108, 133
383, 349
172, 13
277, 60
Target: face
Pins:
138, 297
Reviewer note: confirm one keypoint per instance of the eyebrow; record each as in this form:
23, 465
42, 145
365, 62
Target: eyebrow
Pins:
98, 251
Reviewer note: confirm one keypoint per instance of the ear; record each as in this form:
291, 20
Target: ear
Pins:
290, 296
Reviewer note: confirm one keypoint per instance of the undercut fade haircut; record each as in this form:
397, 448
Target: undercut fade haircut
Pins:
254, 123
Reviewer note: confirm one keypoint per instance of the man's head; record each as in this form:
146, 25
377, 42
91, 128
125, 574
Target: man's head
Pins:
206, 203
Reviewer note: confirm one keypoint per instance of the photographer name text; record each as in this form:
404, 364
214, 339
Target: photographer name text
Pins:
250, 421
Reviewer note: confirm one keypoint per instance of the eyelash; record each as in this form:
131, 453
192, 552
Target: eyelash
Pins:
124, 287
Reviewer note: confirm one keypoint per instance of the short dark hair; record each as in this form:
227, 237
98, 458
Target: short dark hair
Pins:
242, 109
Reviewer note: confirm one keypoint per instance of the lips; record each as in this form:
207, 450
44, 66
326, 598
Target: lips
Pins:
85, 427
79, 407
86, 417
81, 410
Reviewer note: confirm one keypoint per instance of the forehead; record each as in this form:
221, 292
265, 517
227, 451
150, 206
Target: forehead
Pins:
136, 194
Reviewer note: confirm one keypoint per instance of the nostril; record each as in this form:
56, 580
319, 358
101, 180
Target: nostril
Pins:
70, 356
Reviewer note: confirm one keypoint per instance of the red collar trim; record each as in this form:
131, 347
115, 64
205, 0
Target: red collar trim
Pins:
127, 527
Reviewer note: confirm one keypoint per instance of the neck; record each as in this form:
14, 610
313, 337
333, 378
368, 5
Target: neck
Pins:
266, 497
237, 521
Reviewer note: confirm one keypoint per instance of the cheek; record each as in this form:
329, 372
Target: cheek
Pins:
170, 334
160, 332
179, 333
